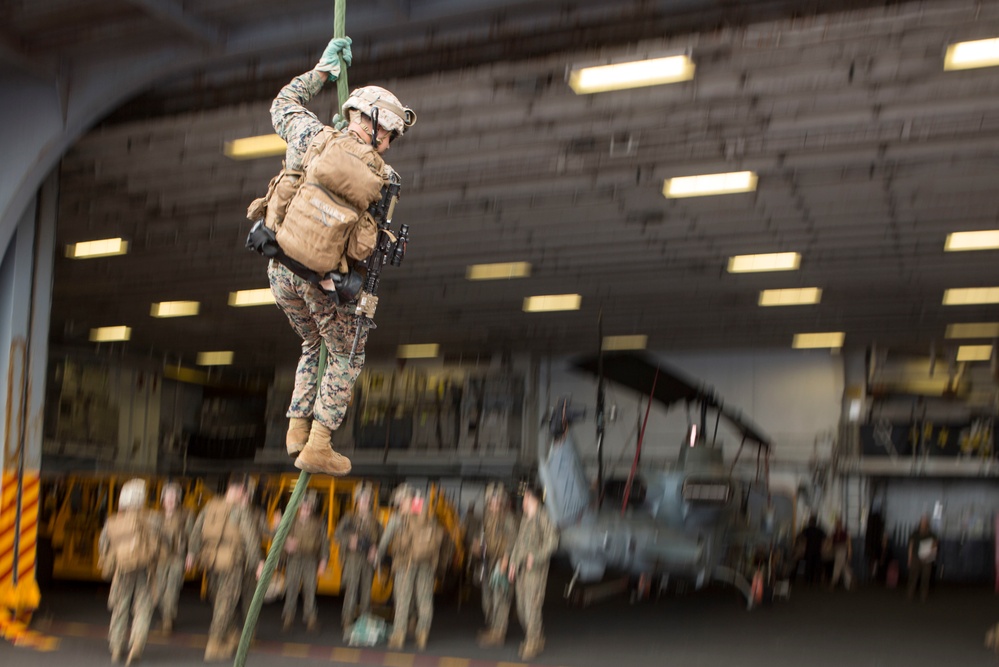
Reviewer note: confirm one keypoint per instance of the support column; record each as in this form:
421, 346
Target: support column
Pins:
26, 272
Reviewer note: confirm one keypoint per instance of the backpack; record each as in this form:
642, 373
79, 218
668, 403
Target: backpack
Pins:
424, 538
320, 215
132, 544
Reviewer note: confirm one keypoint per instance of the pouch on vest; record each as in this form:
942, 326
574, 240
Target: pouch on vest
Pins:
363, 239
425, 541
273, 205
317, 227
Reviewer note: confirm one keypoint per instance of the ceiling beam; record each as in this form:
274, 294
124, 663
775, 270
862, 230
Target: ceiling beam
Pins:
171, 11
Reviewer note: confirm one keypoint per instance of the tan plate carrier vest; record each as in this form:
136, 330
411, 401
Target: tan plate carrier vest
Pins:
221, 543
131, 543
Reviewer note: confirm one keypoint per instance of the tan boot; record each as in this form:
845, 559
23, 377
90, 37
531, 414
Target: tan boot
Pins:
214, 651
298, 435
318, 455
491, 639
312, 623
396, 641
421, 639
116, 655
133, 656
531, 649
288, 621
167, 627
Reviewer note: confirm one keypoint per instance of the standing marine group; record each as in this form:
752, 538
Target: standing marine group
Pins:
146, 552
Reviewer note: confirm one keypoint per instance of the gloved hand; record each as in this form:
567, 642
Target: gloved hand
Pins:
330, 61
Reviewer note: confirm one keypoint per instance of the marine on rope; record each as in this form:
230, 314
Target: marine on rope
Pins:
325, 223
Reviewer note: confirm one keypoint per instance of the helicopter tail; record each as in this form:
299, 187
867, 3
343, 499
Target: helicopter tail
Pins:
567, 490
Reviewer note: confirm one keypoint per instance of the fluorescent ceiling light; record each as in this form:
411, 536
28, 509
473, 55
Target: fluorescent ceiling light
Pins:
251, 297
968, 296
251, 148
418, 351
984, 240
502, 271
969, 55
175, 309
99, 248
613, 343
552, 302
709, 184
774, 261
635, 74
974, 353
800, 296
218, 358
973, 330
806, 341
110, 334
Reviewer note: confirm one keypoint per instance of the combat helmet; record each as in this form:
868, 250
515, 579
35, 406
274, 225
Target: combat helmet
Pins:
392, 115
402, 494
365, 491
133, 495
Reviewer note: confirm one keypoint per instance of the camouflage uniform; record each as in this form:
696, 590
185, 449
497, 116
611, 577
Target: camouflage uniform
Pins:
249, 585
170, 571
313, 314
412, 575
499, 532
225, 579
302, 567
132, 585
537, 537
357, 572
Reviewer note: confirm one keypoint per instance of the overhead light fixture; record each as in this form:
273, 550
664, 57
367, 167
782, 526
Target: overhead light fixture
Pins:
969, 55
218, 358
826, 339
774, 261
251, 148
251, 297
618, 343
418, 351
970, 296
175, 309
110, 334
552, 302
98, 248
500, 271
634, 74
974, 353
987, 239
799, 296
709, 184
185, 374
973, 330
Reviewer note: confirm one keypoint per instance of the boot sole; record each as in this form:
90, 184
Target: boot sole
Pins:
317, 470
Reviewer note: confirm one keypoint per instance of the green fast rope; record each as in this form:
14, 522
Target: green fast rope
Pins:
291, 511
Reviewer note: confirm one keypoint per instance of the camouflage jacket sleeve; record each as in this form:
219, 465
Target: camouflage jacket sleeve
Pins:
324, 542
549, 537
292, 121
344, 529
194, 545
390, 530
103, 545
250, 537
537, 537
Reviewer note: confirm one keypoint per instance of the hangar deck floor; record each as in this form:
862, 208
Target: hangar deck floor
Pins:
869, 627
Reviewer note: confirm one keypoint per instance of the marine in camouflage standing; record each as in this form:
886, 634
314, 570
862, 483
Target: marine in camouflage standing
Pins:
416, 546
128, 548
357, 534
313, 313
536, 542
495, 541
177, 524
307, 551
224, 543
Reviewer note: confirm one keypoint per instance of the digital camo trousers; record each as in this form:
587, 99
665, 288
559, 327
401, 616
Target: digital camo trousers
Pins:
496, 606
413, 580
530, 599
130, 592
300, 573
169, 582
226, 586
355, 582
317, 319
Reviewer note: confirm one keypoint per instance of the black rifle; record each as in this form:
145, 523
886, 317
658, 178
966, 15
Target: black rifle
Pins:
390, 248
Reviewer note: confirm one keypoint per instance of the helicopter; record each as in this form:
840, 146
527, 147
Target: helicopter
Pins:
699, 522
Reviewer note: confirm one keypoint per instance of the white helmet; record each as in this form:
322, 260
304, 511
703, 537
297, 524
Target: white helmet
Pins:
392, 115
133, 495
